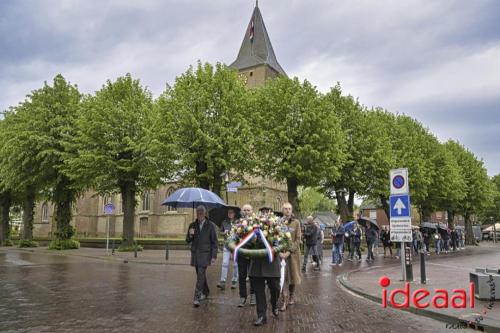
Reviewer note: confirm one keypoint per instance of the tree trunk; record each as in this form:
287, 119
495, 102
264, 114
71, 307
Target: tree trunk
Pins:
217, 185
425, 214
342, 204
451, 218
385, 206
201, 175
5, 203
63, 198
469, 234
350, 203
293, 195
28, 212
128, 191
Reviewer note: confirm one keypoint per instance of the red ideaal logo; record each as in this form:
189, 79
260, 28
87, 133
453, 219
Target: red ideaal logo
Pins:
440, 298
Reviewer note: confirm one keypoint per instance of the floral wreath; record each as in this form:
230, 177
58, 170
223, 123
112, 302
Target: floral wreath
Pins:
259, 236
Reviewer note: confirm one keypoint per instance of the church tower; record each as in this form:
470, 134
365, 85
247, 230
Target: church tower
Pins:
256, 60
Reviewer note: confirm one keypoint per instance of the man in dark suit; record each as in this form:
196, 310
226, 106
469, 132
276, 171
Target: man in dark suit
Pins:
262, 271
202, 234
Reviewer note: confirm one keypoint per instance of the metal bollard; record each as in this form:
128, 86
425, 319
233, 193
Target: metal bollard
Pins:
408, 264
135, 251
113, 248
423, 278
166, 251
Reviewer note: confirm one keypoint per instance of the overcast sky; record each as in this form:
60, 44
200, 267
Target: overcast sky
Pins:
437, 61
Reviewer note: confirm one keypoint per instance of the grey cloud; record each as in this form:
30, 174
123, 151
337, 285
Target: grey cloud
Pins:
385, 52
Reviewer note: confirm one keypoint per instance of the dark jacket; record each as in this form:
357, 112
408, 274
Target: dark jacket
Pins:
371, 234
261, 267
311, 234
203, 243
356, 235
385, 237
338, 234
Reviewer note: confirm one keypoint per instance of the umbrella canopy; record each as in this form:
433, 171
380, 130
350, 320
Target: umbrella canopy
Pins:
364, 221
490, 228
442, 226
349, 225
190, 197
428, 225
219, 214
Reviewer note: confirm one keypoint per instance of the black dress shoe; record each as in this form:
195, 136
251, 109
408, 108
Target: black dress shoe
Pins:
260, 321
276, 312
196, 303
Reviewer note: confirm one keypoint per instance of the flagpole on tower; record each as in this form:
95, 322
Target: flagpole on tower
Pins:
256, 3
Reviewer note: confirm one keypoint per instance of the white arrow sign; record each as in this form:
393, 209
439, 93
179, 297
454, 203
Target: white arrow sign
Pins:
399, 206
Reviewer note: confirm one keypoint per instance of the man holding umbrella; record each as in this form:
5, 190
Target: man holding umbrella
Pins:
202, 234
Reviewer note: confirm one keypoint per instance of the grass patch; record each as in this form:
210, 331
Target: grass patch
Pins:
131, 248
27, 243
64, 244
7, 242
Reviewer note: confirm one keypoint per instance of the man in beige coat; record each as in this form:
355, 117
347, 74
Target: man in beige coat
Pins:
293, 274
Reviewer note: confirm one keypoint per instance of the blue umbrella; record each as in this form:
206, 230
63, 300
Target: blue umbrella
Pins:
349, 225
190, 197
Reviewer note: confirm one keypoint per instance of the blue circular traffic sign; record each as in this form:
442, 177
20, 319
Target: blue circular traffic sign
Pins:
398, 181
109, 208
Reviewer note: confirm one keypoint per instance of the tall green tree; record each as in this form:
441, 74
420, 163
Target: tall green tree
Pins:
312, 200
492, 212
34, 151
448, 186
367, 154
478, 190
301, 142
207, 112
116, 147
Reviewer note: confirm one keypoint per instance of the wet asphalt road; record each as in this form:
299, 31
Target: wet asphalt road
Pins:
53, 293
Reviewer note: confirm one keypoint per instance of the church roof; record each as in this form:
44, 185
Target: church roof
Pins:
256, 48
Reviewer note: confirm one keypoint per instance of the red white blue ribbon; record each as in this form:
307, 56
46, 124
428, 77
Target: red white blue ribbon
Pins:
248, 237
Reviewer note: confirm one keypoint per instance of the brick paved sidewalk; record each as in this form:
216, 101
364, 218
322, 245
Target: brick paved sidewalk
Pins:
447, 271
156, 257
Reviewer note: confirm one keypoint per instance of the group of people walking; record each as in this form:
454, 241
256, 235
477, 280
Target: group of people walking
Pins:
202, 235
260, 272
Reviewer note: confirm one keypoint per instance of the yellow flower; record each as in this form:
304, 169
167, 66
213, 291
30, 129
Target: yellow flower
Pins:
265, 233
244, 223
288, 234
239, 230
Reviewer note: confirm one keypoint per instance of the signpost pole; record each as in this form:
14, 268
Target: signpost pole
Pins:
400, 218
107, 235
402, 254
109, 208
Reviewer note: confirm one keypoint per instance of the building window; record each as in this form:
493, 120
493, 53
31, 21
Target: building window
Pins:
105, 201
169, 193
278, 204
45, 212
373, 214
145, 201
